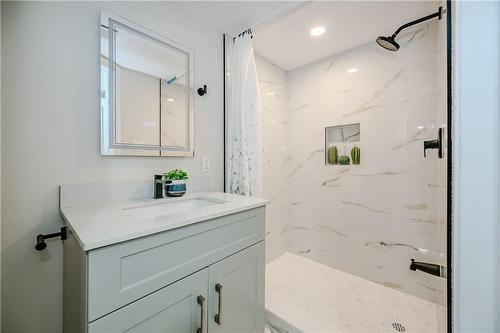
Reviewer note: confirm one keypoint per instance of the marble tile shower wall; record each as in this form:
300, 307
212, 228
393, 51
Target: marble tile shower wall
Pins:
366, 219
272, 85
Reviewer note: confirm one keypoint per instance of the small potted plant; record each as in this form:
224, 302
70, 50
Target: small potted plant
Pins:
175, 182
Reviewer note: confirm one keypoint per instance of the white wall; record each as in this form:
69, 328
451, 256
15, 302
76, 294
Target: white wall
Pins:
476, 200
50, 135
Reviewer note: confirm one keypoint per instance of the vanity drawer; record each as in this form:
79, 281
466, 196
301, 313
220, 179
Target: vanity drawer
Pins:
122, 273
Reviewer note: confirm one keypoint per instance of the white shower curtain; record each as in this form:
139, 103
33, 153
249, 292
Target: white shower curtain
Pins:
243, 120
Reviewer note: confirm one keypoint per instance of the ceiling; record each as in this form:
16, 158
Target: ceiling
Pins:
233, 17
287, 42
281, 28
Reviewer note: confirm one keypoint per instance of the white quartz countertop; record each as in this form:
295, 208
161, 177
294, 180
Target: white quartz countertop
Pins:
100, 225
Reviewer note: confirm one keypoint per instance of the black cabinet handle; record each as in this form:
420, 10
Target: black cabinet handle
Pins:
218, 316
201, 301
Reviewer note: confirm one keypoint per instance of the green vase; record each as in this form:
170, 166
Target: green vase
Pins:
332, 156
356, 155
344, 160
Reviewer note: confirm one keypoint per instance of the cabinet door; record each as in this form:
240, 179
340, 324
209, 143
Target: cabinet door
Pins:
178, 308
236, 292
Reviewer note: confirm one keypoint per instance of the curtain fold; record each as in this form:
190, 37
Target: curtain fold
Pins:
243, 119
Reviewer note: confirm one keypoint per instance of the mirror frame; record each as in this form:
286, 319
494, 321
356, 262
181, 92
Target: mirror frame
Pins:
108, 144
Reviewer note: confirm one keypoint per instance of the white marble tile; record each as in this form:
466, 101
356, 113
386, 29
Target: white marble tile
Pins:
272, 86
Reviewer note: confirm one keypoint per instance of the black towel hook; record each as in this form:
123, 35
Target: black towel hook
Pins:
202, 91
40, 239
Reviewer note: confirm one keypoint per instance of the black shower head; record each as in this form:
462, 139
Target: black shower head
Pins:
388, 43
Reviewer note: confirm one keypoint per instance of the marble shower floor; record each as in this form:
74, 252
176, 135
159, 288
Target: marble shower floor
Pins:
306, 296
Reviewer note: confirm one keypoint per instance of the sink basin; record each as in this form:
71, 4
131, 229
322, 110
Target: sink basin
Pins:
170, 208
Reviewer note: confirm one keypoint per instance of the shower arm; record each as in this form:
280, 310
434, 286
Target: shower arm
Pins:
439, 14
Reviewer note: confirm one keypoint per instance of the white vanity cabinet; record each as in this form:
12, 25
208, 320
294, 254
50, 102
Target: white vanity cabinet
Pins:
203, 277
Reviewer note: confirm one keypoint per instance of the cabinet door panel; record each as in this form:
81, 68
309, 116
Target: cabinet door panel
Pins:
236, 291
173, 309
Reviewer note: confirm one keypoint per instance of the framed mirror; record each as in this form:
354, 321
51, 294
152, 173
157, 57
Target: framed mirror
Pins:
147, 91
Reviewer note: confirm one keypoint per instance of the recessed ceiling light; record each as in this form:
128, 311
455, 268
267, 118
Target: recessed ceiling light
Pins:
352, 70
170, 99
317, 31
270, 93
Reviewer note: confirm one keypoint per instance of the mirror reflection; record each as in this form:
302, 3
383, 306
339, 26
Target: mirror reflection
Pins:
146, 93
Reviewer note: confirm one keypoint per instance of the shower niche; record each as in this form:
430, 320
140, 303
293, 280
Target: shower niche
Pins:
342, 144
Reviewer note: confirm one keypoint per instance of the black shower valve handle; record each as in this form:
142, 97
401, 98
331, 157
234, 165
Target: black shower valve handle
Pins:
430, 144
435, 144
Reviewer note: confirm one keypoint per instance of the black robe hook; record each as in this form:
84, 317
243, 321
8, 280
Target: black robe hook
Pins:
202, 91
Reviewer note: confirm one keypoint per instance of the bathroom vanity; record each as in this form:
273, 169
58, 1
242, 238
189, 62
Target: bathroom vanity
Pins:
193, 264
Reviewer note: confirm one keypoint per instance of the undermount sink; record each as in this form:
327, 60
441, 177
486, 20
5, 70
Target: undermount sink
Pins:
169, 208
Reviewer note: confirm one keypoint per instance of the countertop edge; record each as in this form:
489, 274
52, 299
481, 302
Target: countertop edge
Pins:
71, 229
151, 231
